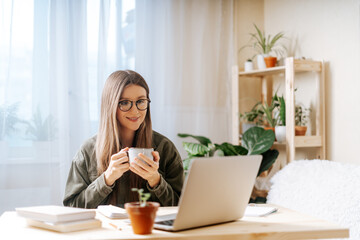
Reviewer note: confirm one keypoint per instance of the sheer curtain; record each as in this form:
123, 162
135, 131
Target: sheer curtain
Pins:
54, 58
184, 50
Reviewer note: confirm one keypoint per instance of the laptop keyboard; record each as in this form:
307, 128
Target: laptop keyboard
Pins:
167, 223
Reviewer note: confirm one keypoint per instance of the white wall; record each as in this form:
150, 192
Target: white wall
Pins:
328, 30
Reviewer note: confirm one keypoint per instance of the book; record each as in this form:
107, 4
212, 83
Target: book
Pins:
258, 211
65, 226
56, 214
111, 211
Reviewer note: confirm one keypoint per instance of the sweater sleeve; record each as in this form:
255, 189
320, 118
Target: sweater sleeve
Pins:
171, 170
80, 191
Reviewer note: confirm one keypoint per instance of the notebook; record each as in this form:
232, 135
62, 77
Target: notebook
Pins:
216, 190
55, 214
66, 226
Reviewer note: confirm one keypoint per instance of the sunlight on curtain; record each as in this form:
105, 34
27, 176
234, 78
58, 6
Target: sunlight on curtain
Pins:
54, 58
186, 59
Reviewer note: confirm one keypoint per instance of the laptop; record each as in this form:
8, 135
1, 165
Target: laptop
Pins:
216, 190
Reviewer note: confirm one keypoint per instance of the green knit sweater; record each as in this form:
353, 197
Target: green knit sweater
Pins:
84, 188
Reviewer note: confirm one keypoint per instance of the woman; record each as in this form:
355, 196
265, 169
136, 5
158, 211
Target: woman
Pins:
100, 172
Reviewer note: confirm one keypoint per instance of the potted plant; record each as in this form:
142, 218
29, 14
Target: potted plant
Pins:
280, 128
267, 46
301, 119
271, 118
142, 214
256, 140
249, 64
252, 118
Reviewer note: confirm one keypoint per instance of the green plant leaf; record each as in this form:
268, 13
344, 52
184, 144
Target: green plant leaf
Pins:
282, 111
269, 157
241, 150
203, 140
196, 149
186, 162
256, 140
227, 148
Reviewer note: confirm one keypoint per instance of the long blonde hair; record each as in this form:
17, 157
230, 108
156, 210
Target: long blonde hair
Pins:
108, 140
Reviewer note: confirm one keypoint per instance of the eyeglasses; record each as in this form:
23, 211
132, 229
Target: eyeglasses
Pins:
141, 104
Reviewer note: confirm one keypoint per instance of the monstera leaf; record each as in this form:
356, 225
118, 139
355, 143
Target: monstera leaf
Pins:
258, 140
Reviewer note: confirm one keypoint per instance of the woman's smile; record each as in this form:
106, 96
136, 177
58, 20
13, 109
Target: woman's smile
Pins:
133, 119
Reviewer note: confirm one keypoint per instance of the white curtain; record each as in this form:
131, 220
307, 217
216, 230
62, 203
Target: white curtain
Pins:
184, 50
55, 56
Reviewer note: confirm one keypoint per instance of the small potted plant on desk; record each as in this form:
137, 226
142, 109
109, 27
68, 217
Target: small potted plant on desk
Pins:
301, 119
142, 214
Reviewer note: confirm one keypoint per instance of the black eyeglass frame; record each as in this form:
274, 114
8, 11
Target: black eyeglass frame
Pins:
136, 104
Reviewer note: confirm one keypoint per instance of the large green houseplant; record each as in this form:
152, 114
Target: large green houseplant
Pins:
255, 140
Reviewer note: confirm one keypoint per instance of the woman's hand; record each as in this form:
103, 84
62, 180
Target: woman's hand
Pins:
119, 163
147, 171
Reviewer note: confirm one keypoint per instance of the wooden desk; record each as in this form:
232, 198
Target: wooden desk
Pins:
285, 224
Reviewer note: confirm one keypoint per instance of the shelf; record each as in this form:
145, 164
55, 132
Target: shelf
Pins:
305, 141
299, 66
307, 66
308, 141
288, 73
263, 72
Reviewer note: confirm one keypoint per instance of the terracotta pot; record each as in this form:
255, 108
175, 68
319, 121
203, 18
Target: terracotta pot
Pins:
270, 128
142, 218
300, 130
270, 61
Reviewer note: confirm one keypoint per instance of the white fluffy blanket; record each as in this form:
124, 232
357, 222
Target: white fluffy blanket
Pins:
321, 188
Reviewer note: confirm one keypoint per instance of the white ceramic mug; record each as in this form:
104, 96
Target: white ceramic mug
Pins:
134, 152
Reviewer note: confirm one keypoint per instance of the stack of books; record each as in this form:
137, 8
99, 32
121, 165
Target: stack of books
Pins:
59, 218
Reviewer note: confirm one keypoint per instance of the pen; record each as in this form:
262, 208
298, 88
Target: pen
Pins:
114, 226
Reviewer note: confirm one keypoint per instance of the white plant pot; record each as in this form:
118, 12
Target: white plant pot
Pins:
249, 66
280, 133
260, 62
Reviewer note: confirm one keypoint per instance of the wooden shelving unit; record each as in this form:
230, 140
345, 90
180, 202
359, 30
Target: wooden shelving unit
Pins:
288, 71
